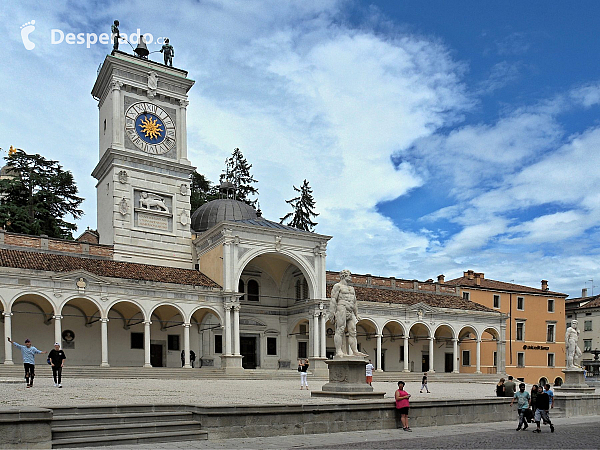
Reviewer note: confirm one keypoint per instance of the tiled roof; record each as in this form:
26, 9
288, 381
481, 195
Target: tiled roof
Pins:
261, 222
35, 260
591, 302
486, 283
381, 295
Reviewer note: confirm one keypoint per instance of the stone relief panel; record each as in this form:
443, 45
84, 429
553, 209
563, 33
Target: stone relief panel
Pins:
153, 211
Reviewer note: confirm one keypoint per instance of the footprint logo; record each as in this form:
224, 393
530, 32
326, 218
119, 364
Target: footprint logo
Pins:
26, 30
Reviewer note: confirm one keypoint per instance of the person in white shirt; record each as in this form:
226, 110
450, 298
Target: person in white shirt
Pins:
369, 370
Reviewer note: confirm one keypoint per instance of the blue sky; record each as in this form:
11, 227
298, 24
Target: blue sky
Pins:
438, 136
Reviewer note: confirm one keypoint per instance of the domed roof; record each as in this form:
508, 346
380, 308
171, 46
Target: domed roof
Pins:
221, 210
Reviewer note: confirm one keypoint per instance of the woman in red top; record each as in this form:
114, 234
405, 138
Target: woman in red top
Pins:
402, 405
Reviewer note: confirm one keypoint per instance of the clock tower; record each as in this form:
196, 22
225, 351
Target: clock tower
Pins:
143, 189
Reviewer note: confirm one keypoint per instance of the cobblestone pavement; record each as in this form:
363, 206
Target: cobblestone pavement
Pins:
573, 433
80, 392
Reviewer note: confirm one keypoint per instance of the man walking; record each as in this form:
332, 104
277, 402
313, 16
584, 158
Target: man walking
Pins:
424, 384
28, 352
57, 361
369, 373
543, 404
523, 399
510, 387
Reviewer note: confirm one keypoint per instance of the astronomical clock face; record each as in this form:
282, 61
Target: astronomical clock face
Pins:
150, 128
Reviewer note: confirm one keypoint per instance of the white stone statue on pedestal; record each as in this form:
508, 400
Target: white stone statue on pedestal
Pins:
343, 312
572, 349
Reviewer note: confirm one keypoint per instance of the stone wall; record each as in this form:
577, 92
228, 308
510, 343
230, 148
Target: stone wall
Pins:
55, 245
572, 405
25, 428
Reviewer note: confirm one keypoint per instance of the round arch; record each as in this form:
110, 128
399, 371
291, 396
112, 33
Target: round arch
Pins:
395, 323
294, 259
76, 297
155, 307
419, 325
468, 329
209, 310
441, 326
134, 302
371, 322
31, 295
3, 304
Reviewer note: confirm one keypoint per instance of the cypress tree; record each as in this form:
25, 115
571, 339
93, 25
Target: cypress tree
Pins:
303, 209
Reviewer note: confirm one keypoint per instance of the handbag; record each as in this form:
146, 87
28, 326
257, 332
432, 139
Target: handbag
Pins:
48, 361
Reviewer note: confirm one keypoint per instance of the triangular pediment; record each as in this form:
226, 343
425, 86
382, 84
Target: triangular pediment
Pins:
75, 275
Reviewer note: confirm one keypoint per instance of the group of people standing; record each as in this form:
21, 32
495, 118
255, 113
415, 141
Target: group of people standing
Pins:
532, 406
56, 358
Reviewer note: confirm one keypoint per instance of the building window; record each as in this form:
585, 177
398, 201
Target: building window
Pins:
521, 303
495, 359
569, 316
550, 359
520, 359
588, 314
550, 333
302, 350
520, 331
271, 346
466, 357
466, 296
253, 294
173, 342
218, 343
137, 340
298, 290
401, 353
242, 288
587, 345
587, 325
304, 289
302, 328
550, 305
496, 301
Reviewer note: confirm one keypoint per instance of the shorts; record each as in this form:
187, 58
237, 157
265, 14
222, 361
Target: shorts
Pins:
542, 414
403, 410
369, 378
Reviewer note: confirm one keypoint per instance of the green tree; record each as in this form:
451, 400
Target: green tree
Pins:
37, 195
202, 190
237, 171
303, 205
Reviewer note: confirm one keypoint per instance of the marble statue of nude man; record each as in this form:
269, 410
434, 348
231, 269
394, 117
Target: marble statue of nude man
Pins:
572, 349
343, 311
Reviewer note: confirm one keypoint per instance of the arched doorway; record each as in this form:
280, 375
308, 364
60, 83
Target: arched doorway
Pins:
167, 337
366, 337
300, 341
492, 354
392, 347
467, 341
206, 337
125, 330
33, 319
420, 350
81, 334
444, 349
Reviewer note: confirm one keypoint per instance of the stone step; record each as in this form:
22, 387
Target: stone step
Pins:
130, 439
100, 431
69, 420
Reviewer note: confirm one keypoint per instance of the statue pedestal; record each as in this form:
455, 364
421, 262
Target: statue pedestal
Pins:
318, 367
575, 382
232, 364
347, 380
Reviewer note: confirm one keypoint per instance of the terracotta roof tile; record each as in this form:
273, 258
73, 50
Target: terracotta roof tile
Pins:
103, 267
375, 294
486, 283
591, 302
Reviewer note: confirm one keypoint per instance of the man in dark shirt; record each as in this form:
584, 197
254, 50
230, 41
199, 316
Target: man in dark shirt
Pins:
424, 384
510, 387
541, 413
57, 360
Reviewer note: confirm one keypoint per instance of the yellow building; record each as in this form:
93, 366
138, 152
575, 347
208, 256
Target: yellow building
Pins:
535, 347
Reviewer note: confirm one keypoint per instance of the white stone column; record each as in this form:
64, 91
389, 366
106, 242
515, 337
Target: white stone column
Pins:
316, 331
182, 134
478, 363
58, 329
502, 351
455, 355
7, 334
431, 370
323, 335
186, 345
147, 324
236, 329
117, 127
228, 333
104, 337
406, 354
379, 368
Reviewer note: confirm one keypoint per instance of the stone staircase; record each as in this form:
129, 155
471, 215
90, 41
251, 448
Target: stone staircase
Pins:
97, 426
